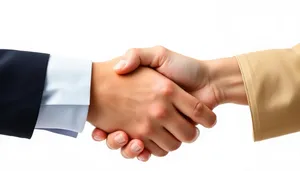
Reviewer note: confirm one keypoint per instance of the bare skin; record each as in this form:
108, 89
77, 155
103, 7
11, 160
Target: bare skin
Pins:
147, 106
213, 82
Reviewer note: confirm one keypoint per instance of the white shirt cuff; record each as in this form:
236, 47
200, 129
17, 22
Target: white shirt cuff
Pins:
66, 95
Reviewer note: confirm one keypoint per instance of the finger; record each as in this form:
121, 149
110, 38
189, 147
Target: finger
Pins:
116, 140
98, 134
133, 58
193, 108
144, 155
181, 128
132, 149
165, 140
155, 149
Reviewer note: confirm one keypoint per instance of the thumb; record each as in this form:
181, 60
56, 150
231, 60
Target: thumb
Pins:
128, 63
153, 57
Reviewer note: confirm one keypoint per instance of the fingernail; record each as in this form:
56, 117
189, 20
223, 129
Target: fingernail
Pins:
120, 139
197, 135
141, 158
136, 148
97, 138
125, 155
211, 120
121, 64
214, 123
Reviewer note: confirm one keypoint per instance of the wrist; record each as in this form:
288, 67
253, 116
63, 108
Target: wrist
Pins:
102, 77
95, 84
225, 76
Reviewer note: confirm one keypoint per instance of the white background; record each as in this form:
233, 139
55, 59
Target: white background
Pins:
101, 30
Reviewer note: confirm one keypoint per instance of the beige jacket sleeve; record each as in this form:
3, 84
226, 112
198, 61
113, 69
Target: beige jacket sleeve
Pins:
272, 82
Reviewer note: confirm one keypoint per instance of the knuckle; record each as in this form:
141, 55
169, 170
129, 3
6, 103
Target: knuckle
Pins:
167, 88
198, 110
132, 52
146, 130
159, 112
161, 51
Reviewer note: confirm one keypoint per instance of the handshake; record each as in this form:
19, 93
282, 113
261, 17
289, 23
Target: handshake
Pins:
150, 100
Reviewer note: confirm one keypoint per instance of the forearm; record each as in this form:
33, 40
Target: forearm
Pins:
269, 81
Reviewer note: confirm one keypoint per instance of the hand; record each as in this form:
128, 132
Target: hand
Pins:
203, 79
146, 105
213, 82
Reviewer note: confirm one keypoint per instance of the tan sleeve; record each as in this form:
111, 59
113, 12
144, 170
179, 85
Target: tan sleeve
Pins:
272, 82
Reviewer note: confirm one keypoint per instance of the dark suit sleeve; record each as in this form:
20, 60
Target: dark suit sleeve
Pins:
22, 80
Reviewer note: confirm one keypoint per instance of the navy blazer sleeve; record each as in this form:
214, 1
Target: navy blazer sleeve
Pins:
22, 80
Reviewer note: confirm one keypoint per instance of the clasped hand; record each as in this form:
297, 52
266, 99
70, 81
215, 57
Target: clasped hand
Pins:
152, 109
